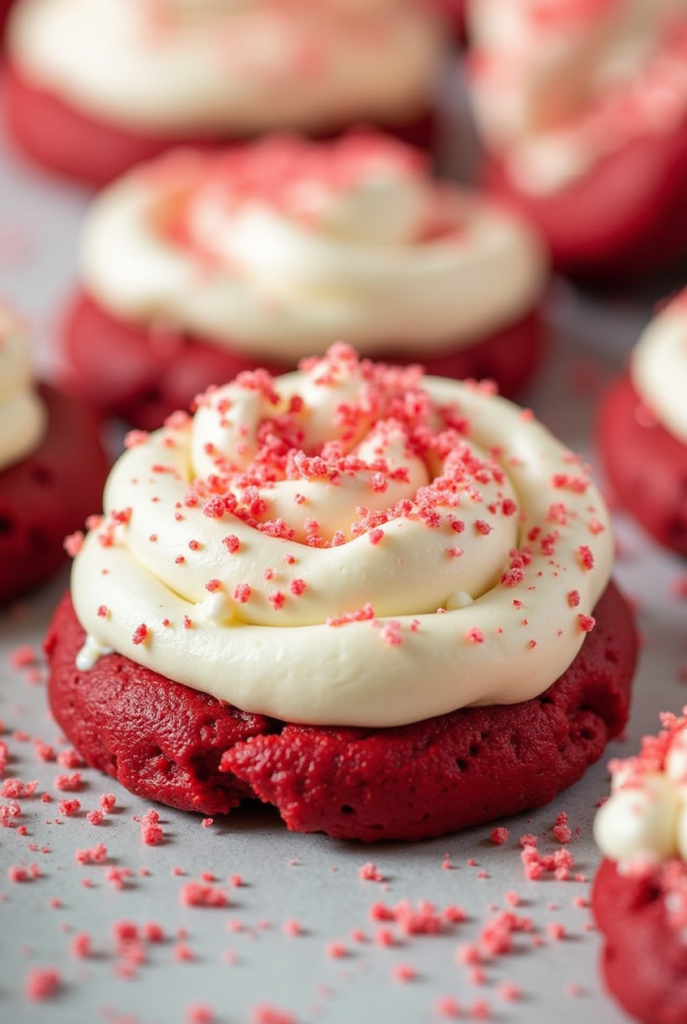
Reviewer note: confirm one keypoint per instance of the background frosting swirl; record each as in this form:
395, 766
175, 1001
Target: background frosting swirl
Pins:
288, 246
559, 84
237, 68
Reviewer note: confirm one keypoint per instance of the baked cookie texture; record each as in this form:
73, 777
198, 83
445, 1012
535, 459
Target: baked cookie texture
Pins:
167, 742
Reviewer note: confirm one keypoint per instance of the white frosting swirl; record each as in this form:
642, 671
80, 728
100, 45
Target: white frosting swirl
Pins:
23, 418
290, 245
224, 66
644, 821
351, 544
658, 367
559, 84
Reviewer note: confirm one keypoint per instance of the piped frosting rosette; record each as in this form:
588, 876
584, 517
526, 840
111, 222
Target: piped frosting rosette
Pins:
560, 84
658, 367
23, 418
349, 544
285, 246
240, 67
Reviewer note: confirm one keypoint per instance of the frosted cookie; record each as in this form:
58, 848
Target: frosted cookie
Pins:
52, 468
582, 109
642, 429
92, 89
640, 892
196, 267
395, 585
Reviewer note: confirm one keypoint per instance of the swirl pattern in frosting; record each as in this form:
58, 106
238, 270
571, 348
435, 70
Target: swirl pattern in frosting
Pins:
23, 418
349, 544
559, 84
287, 246
658, 367
231, 67
644, 821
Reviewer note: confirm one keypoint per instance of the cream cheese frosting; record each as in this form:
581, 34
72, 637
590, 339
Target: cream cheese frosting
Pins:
644, 821
205, 67
658, 367
559, 84
351, 544
289, 245
23, 417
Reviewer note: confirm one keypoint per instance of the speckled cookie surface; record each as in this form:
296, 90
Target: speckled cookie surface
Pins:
48, 495
644, 959
128, 371
645, 465
167, 742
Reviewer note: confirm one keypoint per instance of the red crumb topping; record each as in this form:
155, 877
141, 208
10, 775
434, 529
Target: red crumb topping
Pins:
43, 983
499, 835
447, 1006
140, 634
265, 1014
73, 782
95, 855
73, 543
336, 950
198, 894
585, 557
200, 1013
370, 872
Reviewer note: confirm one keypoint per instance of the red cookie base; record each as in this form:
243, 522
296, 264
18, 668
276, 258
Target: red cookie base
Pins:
644, 961
71, 143
48, 495
625, 220
167, 742
126, 371
5, 6
646, 466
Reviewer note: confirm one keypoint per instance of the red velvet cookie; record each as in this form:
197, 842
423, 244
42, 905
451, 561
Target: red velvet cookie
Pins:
627, 219
49, 494
170, 743
597, 159
89, 97
644, 957
646, 466
197, 266
143, 375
